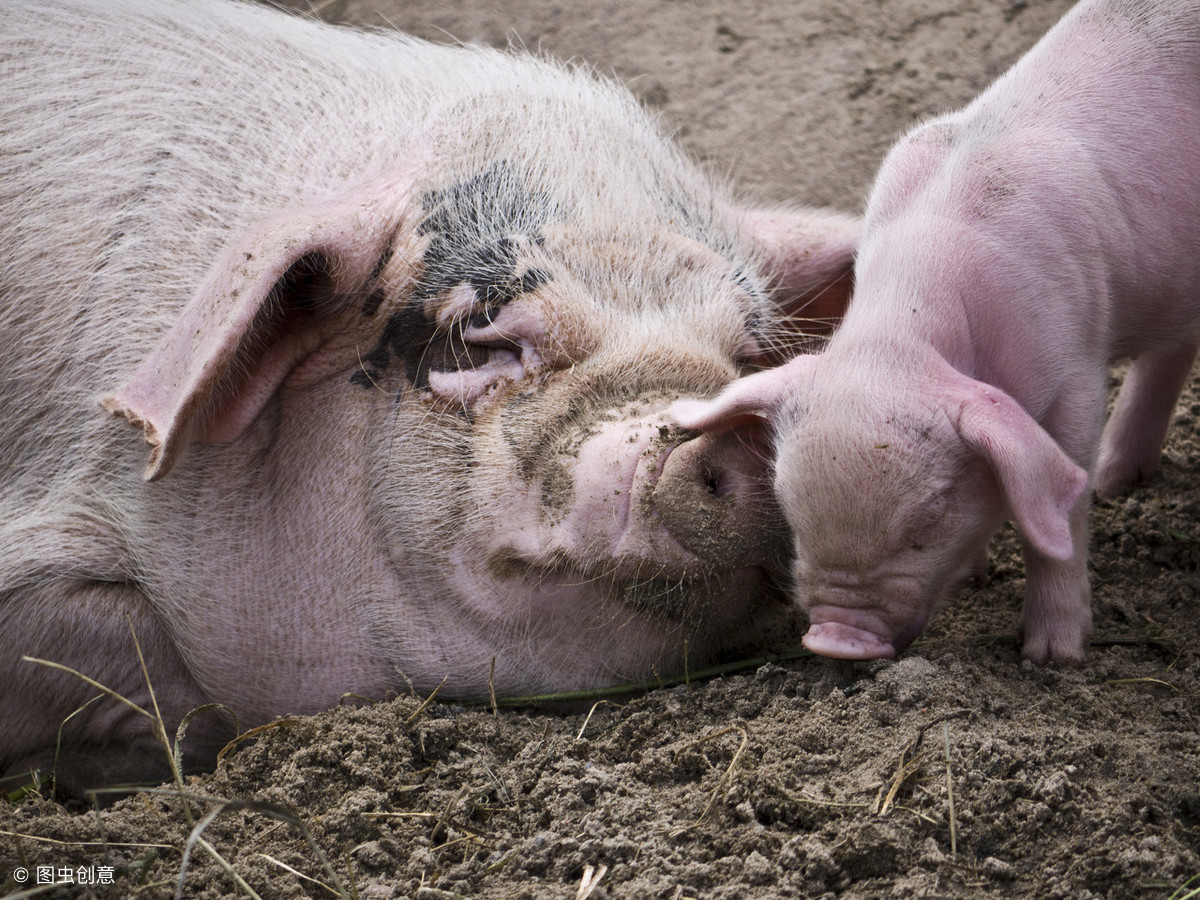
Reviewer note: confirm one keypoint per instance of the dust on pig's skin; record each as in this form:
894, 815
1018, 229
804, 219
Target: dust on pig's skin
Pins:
548, 443
716, 531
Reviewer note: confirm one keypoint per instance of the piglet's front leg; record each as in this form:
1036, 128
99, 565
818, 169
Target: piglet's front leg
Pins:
1056, 620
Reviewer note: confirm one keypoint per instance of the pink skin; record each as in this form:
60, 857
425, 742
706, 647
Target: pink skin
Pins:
398, 361
624, 546
1011, 252
521, 569
617, 476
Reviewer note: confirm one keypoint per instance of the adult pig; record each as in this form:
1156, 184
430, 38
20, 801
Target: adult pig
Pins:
1011, 252
399, 325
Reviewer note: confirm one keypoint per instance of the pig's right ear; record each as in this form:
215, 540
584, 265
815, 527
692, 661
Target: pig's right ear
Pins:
259, 313
808, 255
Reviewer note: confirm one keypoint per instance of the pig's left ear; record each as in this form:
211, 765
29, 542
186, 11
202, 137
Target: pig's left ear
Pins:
1040, 482
808, 254
752, 399
260, 312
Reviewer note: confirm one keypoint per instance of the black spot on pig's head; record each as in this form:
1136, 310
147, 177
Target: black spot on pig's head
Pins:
406, 328
477, 229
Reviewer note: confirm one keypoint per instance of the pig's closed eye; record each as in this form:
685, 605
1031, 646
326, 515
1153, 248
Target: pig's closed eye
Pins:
480, 354
468, 360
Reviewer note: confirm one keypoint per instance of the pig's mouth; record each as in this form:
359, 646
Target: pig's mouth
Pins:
649, 460
681, 599
714, 497
641, 493
700, 527
659, 595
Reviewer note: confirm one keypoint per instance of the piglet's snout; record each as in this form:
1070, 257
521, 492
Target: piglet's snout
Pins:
714, 497
874, 622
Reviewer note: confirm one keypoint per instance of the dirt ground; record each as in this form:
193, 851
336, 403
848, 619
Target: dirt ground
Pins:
957, 771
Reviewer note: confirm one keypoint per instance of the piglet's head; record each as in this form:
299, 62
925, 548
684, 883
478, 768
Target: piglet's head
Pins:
892, 487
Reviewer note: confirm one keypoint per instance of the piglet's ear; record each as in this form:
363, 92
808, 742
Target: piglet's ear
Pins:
753, 399
808, 255
1041, 483
256, 316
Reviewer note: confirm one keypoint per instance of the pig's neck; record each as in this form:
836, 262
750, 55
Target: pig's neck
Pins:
938, 288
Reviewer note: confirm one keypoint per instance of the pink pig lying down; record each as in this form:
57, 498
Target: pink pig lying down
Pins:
1011, 252
400, 325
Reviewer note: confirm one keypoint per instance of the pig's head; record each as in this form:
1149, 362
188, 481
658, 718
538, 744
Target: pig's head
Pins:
444, 402
892, 478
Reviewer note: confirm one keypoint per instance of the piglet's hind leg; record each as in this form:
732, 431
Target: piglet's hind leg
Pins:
1132, 442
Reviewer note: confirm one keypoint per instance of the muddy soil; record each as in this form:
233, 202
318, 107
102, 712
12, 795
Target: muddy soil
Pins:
957, 771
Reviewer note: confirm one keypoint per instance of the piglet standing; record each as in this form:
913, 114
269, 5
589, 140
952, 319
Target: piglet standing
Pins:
399, 325
1011, 252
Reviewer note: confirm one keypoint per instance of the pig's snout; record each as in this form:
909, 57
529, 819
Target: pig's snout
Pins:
714, 497
860, 625
665, 512
841, 641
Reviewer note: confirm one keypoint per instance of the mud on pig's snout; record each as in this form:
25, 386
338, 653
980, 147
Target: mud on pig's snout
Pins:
714, 497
